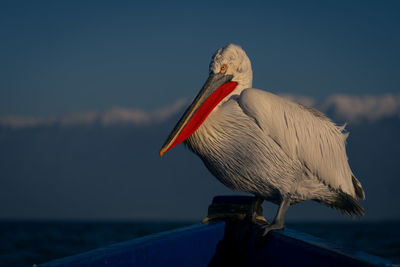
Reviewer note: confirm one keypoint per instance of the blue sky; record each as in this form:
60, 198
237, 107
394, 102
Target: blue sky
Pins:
62, 57
58, 57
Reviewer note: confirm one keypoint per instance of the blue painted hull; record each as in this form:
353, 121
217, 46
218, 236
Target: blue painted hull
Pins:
208, 245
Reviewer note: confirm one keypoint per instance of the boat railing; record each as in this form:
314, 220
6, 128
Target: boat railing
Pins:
225, 238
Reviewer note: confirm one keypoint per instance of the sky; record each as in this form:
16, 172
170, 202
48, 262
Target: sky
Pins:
93, 65
59, 57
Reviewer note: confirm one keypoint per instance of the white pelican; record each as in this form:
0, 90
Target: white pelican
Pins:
257, 142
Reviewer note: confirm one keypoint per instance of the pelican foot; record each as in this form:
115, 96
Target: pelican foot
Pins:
257, 219
254, 214
265, 229
262, 236
222, 217
242, 208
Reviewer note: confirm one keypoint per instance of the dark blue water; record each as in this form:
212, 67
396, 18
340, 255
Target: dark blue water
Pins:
26, 243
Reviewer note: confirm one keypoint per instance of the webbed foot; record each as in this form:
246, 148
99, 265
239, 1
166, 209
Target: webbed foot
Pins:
265, 229
262, 236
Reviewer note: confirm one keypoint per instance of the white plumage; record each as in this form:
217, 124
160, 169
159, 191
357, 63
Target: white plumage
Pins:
280, 151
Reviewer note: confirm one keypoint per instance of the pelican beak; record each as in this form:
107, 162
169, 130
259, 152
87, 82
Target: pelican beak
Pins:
216, 88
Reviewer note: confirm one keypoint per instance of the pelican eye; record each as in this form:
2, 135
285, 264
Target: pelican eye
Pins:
223, 68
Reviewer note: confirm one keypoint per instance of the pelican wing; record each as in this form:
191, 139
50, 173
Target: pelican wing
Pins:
303, 134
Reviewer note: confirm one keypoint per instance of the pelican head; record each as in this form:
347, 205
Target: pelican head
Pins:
230, 73
237, 63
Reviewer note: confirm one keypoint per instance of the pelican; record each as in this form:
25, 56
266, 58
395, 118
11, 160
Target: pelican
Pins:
257, 142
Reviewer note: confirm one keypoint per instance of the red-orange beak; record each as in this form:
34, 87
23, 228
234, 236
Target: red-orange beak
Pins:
216, 88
